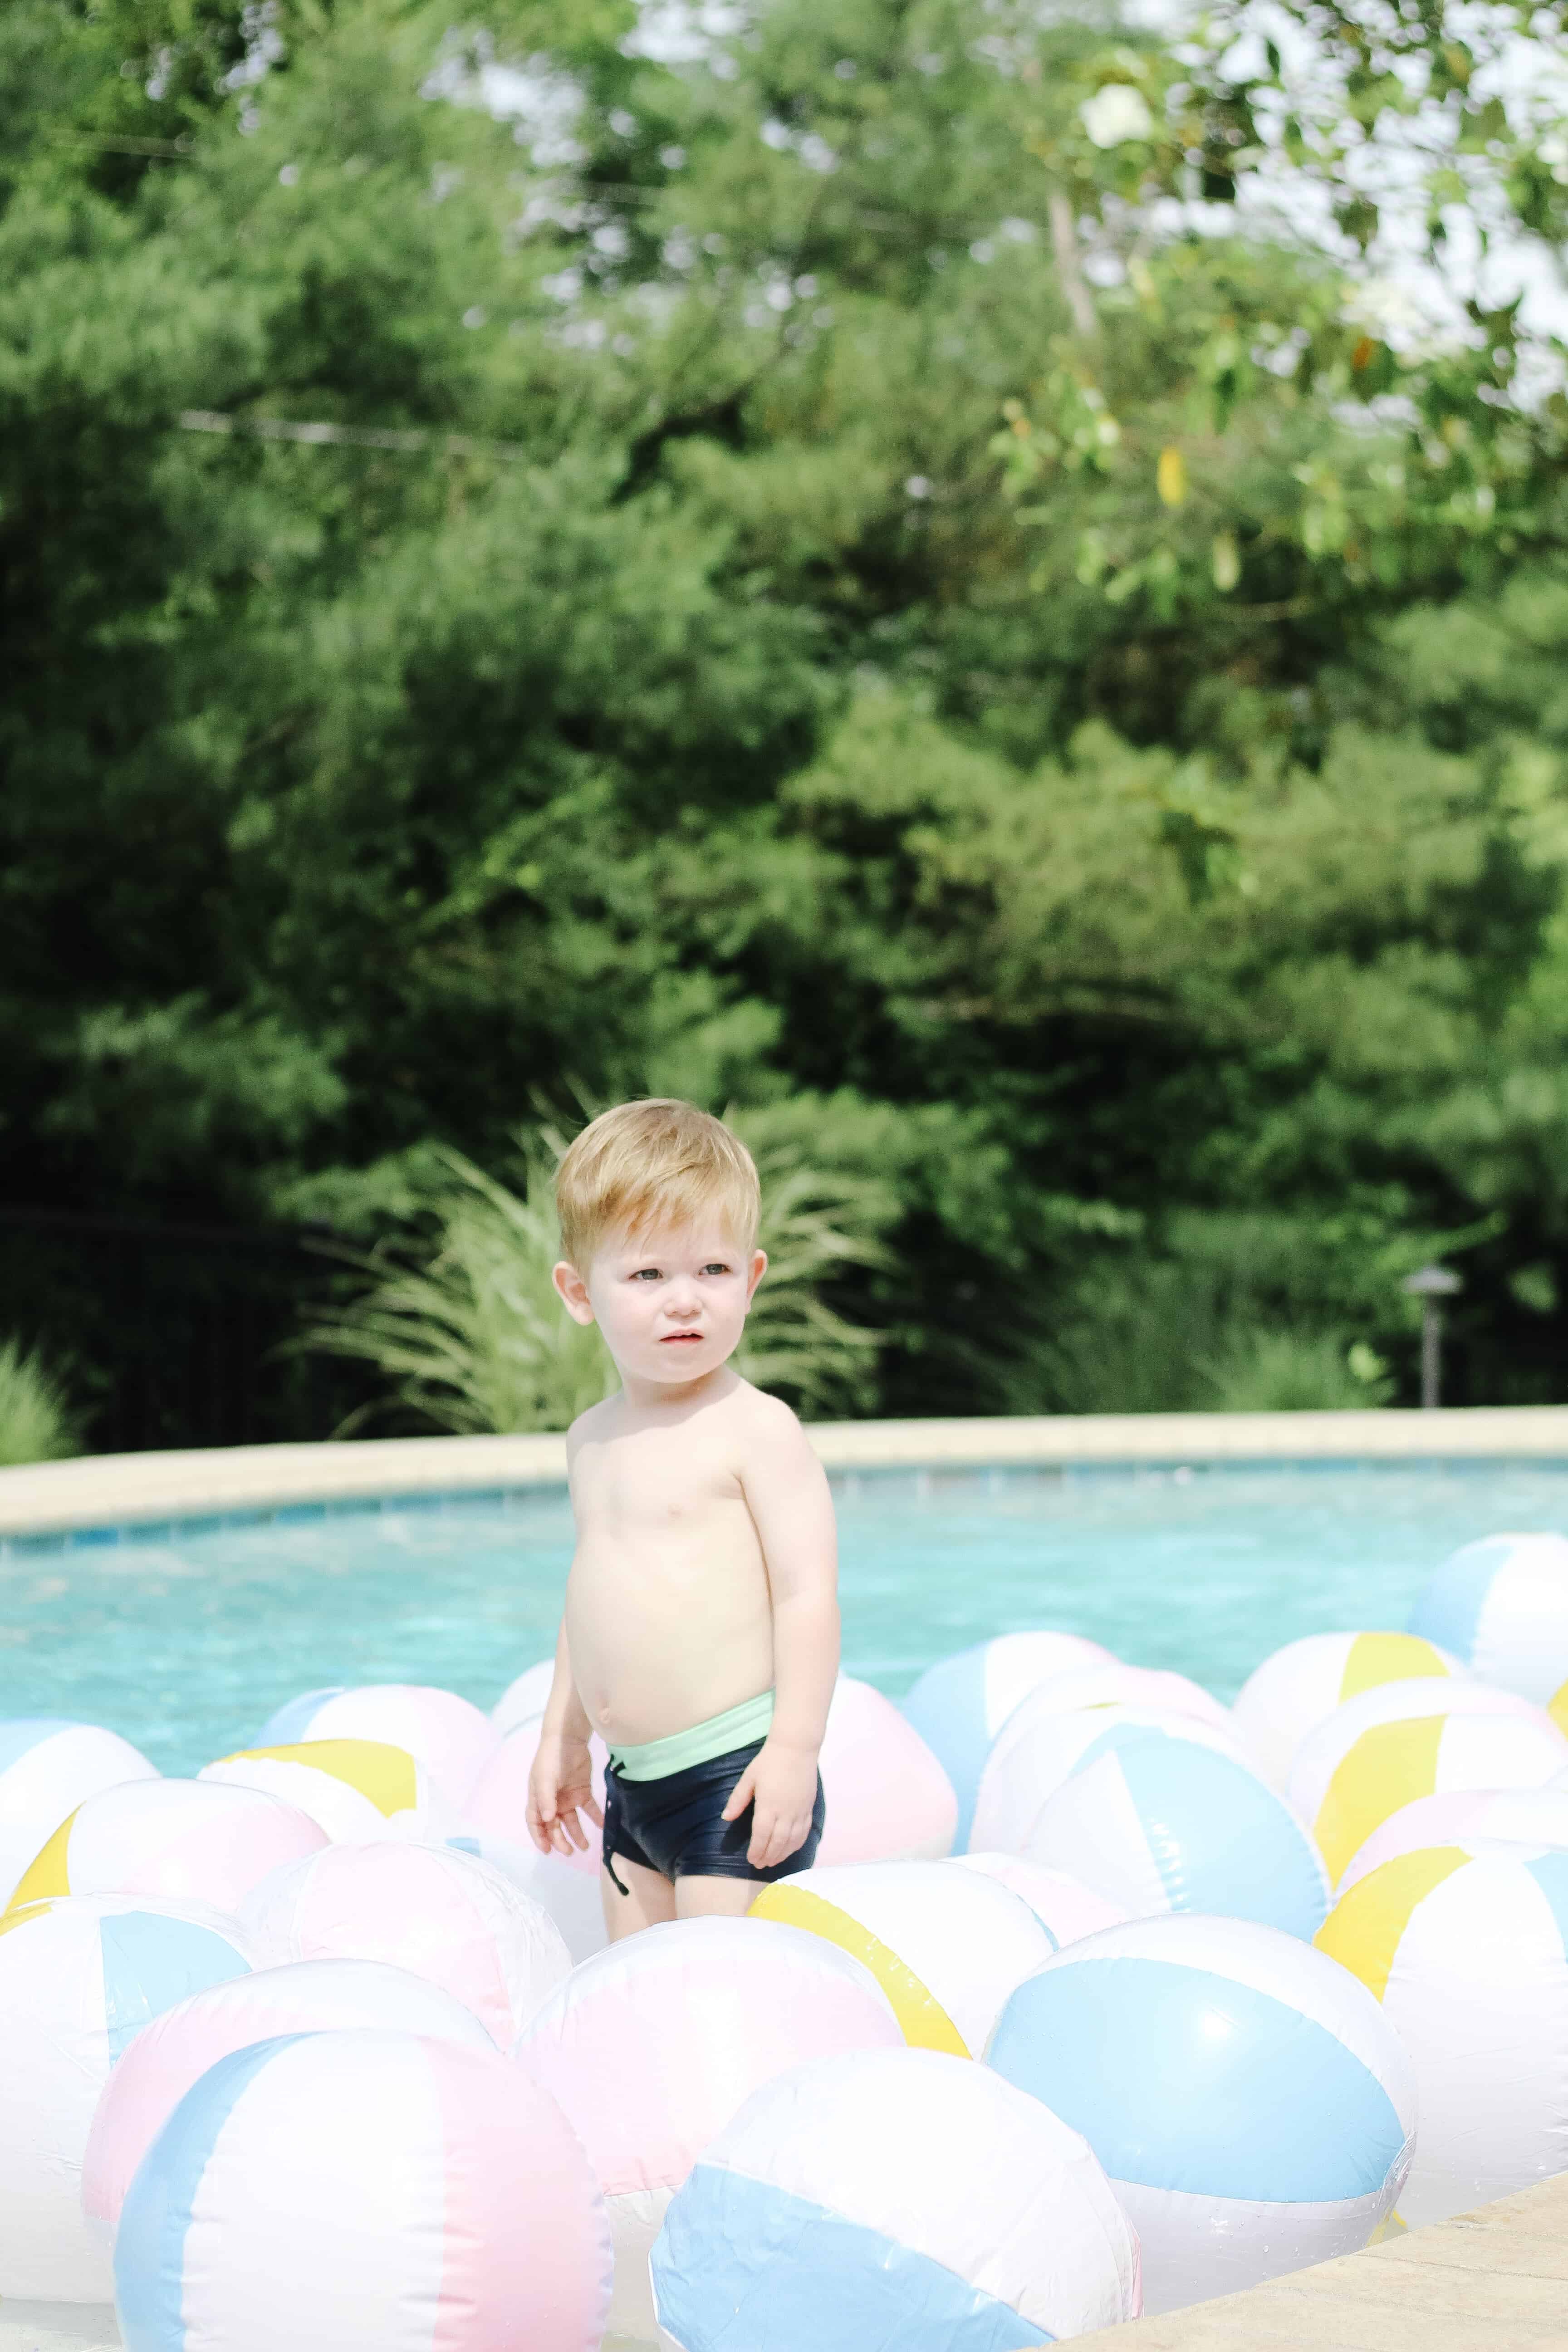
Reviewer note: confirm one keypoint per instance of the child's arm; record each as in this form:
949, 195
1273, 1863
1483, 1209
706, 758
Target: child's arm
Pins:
561, 1783
786, 1491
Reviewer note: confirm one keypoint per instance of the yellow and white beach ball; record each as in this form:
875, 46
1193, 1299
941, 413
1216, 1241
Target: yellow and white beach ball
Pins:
1468, 1956
451, 1738
1501, 1606
1467, 1817
47, 1768
179, 1840
893, 2200
1301, 1685
947, 1946
1039, 1748
444, 1914
79, 1980
1410, 1739
888, 1797
352, 1789
652, 2047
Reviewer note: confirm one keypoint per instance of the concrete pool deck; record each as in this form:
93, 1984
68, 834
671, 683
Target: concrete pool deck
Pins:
1492, 2281
147, 1489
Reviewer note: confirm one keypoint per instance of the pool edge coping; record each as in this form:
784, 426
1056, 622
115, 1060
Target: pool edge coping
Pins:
127, 1490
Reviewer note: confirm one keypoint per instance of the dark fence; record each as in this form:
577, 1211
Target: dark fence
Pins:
170, 1334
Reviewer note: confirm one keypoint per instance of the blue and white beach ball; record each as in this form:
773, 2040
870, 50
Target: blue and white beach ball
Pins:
1156, 1821
363, 2191
47, 1768
1501, 1606
1250, 2103
78, 1979
960, 1704
900, 2198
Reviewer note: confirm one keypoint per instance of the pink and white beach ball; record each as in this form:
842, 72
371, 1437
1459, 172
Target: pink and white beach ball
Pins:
78, 1979
445, 1915
498, 1802
1465, 1817
452, 1739
168, 2057
888, 1799
571, 1895
180, 1840
652, 2047
1064, 1906
47, 1768
363, 2192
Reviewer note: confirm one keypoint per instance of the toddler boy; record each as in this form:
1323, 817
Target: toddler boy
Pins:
701, 1633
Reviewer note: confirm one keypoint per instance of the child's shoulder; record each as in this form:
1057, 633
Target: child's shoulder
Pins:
764, 1420
599, 1421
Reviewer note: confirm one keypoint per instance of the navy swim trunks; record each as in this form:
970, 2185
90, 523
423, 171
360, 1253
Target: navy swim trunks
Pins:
673, 1825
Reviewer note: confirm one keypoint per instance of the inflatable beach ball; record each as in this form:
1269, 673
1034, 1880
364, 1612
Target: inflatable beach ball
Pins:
1250, 2102
1041, 1745
47, 1769
1065, 1906
1159, 1820
888, 1797
452, 1739
946, 1946
527, 1696
899, 2197
363, 2192
177, 1840
1301, 1685
497, 1804
1406, 1740
960, 1704
652, 2048
445, 1915
169, 2057
1466, 1954
78, 1979
352, 1789
571, 1897
1501, 1606
1536, 1817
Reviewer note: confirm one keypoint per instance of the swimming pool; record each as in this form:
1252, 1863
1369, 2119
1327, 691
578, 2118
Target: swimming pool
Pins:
185, 1638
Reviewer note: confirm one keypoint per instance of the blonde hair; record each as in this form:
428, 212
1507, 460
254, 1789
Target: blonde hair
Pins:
659, 1162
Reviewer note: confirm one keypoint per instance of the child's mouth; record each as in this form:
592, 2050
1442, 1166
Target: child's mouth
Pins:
680, 1340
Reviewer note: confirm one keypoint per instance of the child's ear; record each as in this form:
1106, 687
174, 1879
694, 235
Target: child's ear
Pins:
759, 1266
573, 1292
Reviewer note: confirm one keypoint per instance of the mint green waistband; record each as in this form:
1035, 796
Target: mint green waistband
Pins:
736, 1727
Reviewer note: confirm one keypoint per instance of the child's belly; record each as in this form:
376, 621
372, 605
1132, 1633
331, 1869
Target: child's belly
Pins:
663, 1635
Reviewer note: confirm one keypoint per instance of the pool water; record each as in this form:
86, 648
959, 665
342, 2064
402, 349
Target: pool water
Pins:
185, 1640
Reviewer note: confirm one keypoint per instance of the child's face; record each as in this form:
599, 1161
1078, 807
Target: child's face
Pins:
671, 1304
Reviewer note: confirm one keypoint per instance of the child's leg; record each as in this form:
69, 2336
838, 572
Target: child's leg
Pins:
649, 1898
715, 1898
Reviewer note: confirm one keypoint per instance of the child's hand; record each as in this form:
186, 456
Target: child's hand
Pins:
560, 1787
780, 1782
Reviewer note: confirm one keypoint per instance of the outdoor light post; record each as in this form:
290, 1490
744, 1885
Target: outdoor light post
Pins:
1431, 1284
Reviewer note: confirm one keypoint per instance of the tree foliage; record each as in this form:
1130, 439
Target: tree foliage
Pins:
859, 571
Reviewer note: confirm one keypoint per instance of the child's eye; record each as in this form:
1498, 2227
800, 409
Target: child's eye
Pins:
718, 1267
646, 1274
